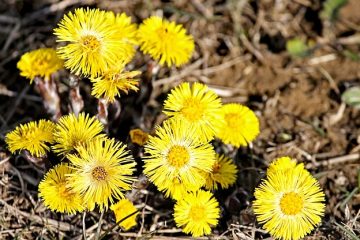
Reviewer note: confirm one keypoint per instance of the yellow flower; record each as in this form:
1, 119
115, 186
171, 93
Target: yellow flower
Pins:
94, 41
223, 173
196, 213
113, 81
72, 131
122, 209
138, 136
176, 188
197, 106
165, 41
282, 164
32, 136
289, 203
102, 171
55, 193
176, 152
39, 63
240, 127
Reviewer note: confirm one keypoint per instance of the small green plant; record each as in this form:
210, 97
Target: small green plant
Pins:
331, 9
297, 47
352, 97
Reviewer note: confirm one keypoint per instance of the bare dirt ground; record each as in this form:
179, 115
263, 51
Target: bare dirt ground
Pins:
241, 54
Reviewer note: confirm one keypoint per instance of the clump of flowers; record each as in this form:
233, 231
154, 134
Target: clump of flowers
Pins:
196, 212
42, 63
165, 41
125, 213
34, 137
290, 203
179, 158
55, 191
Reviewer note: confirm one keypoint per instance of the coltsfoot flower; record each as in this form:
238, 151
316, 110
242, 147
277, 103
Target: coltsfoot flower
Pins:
56, 194
94, 41
196, 106
72, 131
176, 152
196, 212
42, 63
165, 41
113, 81
33, 136
223, 173
123, 209
289, 203
240, 125
102, 172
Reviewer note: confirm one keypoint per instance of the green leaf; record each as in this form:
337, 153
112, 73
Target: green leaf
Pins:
331, 9
297, 48
352, 97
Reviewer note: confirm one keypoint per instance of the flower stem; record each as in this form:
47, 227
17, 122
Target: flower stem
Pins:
76, 100
99, 225
49, 92
103, 112
83, 225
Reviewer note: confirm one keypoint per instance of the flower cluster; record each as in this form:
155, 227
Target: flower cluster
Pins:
95, 170
181, 160
290, 202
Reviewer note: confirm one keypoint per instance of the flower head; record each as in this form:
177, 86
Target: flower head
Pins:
138, 136
112, 82
282, 164
177, 152
122, 209
32, 136
102, 171
196, 212
39, 63
94, 40
223, 173
165, 41
289, 203
72, 131
56, 194
240, 127
197, 106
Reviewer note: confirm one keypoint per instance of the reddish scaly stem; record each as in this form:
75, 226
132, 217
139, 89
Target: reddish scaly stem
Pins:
49, 92
76, 100
103, 112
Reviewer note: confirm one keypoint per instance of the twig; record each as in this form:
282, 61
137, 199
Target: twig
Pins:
337, 160
116, 224
62, 226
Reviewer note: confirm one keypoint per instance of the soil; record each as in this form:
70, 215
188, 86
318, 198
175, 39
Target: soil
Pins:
241, 54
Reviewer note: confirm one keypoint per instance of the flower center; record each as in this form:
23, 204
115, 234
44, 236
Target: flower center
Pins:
232, 120
216, 168
178, 156
99, 173
64, 192
291, 203
197, 213
90, 43
192, 110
